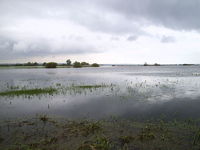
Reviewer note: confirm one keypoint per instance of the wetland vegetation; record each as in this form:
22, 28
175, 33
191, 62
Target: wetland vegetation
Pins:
28, 92
46, 133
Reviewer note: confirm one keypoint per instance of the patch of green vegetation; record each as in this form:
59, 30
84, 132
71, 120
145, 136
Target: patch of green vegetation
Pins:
95, 65
29, 92
146, 134
196, 139
89, 86
85, 64
126, 139
82, 128
51, 65
100, 143
77, 64
84, 134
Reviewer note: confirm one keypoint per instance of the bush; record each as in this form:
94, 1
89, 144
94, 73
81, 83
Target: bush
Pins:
51, 65
77, 64
31, 64
84, 64
156, 64
95, 65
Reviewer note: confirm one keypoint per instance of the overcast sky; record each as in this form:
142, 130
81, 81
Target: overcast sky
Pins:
102, 31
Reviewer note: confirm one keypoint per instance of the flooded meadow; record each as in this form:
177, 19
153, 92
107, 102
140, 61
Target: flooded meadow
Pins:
120, 107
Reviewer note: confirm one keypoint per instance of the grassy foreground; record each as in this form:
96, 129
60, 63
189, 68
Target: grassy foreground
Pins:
44, 133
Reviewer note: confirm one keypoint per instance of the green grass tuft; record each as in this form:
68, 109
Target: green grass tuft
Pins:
28, 92
89, 86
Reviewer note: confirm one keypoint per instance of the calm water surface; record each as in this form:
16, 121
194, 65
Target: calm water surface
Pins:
132, 92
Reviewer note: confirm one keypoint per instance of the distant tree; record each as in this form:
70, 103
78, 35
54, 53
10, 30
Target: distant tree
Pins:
145, 64
77, 64
188, 64
44, 64
19, 64
68, 62
156, 64
84, 64
95, 65
51, 65
27, 64
31, 64
35, 64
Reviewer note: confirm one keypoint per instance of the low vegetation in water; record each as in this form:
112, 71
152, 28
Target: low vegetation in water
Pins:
89, 86
29, 92
58, 88
46, 133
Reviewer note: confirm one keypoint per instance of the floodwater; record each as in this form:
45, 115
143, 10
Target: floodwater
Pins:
136, 92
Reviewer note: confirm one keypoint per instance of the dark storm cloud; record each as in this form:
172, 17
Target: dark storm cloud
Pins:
176, 14
108, 15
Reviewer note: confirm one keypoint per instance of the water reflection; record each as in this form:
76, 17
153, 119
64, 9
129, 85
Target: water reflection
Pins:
133, 92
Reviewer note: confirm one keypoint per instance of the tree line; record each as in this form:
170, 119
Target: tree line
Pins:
68, 63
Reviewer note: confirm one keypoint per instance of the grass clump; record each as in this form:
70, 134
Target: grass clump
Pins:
146, 134
36, 91
196, 140
126, 139
100, 143
43, 118
89, 86
83, 128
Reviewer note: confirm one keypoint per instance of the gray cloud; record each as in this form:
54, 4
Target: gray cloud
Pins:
109, 15
132, 38
176, 14
86, 13
114, 38
168, 39
116, 18
40, 47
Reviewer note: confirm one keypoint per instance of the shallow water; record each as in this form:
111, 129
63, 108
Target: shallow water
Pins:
132, 92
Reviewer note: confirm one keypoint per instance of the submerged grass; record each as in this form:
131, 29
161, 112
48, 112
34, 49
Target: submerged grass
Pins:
58, 89
83, 128
36, 91
62, 134
89, 86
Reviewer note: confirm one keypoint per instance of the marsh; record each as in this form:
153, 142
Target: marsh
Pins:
105, 108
